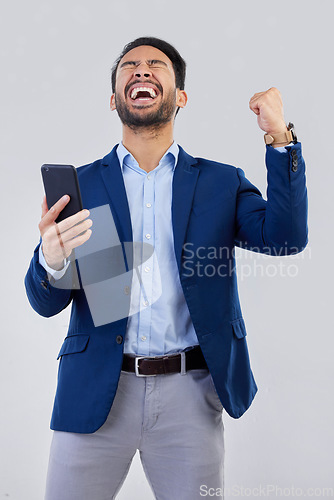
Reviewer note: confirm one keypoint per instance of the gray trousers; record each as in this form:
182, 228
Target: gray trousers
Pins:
174, 420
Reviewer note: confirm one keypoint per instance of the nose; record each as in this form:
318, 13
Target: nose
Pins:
142, 70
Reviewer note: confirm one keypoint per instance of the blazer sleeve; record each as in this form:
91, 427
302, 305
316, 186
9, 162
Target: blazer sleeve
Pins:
46, 295
277, 226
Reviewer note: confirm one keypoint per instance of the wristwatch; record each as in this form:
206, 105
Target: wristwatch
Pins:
282, 139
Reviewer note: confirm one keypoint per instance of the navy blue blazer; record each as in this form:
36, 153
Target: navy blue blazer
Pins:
213, 205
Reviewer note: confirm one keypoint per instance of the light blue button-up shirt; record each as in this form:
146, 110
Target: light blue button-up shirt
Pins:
161, 326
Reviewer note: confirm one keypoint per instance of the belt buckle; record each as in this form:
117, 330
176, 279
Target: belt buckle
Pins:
137, 358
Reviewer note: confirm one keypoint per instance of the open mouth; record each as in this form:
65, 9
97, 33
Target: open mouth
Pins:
143, 94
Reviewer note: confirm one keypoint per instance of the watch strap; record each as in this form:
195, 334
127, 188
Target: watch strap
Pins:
279, 139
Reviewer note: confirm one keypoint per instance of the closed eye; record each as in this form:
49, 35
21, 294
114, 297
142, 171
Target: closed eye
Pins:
152, 63
157, 63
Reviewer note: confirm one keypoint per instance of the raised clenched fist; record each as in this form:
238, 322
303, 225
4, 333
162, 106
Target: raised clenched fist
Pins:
268, 107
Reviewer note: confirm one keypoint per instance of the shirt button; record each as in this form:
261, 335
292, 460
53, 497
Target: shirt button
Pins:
148, 177
147, 269
148, 205
126, 290
143, 338
147, 236
119, 339
145, 302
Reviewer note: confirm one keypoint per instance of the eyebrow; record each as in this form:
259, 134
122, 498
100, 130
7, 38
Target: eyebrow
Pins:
149, 62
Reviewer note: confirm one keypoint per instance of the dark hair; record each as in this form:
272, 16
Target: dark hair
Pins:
179, 64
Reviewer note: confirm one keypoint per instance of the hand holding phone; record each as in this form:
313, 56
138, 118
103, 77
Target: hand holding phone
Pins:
63, 227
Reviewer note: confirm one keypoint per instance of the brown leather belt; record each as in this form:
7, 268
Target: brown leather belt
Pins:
144, 366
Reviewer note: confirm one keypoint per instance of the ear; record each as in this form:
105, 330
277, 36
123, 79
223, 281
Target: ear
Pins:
181, 98
112, 102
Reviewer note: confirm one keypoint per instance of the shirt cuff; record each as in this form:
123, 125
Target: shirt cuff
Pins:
281, 149
55, 274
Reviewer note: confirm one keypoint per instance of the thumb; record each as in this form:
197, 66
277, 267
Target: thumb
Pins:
44, 207
254, 107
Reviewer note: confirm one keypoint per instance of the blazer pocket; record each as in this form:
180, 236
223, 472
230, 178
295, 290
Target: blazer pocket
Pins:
73, 344
239, 328
199, 208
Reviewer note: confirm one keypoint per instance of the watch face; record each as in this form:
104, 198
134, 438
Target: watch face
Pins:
291, 127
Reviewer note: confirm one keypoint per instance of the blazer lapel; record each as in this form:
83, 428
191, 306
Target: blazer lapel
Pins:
184, 183
113, 180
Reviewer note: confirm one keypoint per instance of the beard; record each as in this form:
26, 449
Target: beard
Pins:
150, 120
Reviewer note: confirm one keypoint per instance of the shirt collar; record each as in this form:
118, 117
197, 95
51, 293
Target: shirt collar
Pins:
126, 158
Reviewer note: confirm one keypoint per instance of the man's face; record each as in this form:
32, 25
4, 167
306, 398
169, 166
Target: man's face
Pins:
145, 93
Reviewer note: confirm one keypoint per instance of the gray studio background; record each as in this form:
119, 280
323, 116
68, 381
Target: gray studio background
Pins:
55, 89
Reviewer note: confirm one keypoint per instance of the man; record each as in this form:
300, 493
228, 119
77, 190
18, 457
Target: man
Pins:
158, 379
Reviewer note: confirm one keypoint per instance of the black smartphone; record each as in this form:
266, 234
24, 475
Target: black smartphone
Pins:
59, 180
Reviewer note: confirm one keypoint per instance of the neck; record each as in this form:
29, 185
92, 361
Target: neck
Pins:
149, 145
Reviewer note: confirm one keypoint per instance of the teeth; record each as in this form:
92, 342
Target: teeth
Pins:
143, 89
